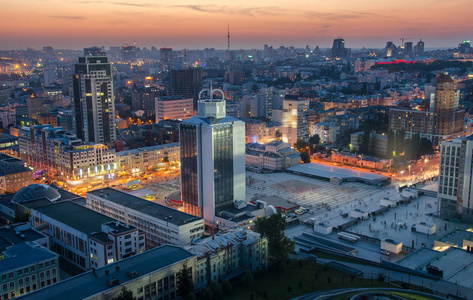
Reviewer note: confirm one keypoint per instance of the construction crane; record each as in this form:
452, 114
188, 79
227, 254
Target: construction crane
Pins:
402, 41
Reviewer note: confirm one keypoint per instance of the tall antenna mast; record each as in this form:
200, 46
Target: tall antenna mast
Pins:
228, 41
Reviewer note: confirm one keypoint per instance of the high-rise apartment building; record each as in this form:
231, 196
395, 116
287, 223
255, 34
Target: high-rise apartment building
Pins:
294, 119
212, 160
455, 179
187, 83
447, 118
144, 99
338, 48
93, 100
408, 48
420, 47
165, 55
443, 120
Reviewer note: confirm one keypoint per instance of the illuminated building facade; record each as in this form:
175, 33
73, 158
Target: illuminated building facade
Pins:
455, 174
93, 100
174, 107
444, 119
294, 119
212, 147
62, 154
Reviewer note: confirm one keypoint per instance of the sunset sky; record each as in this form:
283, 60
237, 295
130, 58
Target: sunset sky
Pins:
203, 23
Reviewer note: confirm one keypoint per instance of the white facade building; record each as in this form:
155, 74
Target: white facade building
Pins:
61, 153
97, 242
327, 132
147, 157
275, 155
230, 253
294, 119
174, 107
212, 148
456, 179
161, 224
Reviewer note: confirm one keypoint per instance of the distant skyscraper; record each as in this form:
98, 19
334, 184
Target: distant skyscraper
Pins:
212, 147
465, 47
166, 55
92, 51
93, 100
338, 49
390, 49
420, 47
128, 53
408, 48
187, 83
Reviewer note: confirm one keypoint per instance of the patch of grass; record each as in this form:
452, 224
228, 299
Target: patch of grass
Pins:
298, 279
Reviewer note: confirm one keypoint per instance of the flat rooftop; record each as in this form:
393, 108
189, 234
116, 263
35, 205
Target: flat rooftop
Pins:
419, 258
76, 216
278, 203
8, 236
345, 174
87, 284
149, 208
25, 254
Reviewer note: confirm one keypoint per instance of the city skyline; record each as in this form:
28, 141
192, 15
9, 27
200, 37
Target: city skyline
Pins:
64, 24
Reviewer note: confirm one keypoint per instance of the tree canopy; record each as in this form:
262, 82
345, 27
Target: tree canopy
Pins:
279, 245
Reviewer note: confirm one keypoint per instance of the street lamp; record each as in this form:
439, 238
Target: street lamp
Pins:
409, 170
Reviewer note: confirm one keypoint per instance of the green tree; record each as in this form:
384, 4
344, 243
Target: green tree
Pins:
279, 245
390, 146
305, 157
125, 294
184, 277
426, 146
216, 290
365, 141
207, 293
247, 279
301, 145
227, 287
190, 296
278, 135
314, 140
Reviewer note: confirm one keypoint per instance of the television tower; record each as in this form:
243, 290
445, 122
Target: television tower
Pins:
228, 41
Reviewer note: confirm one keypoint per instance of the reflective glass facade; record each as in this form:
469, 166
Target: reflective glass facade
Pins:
223, 166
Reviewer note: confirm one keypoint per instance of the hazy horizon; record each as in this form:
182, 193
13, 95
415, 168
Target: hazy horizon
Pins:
65, 24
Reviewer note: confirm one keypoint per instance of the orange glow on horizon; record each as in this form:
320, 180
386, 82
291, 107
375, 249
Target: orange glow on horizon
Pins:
178, 24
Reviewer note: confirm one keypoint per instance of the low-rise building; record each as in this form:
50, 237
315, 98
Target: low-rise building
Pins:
27, 267
161, 224
327, 132
62, 154
363, 161
150, 275
378, 143
174, 107
275, 155
224, 256
86, 238
148, 157
13, 174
